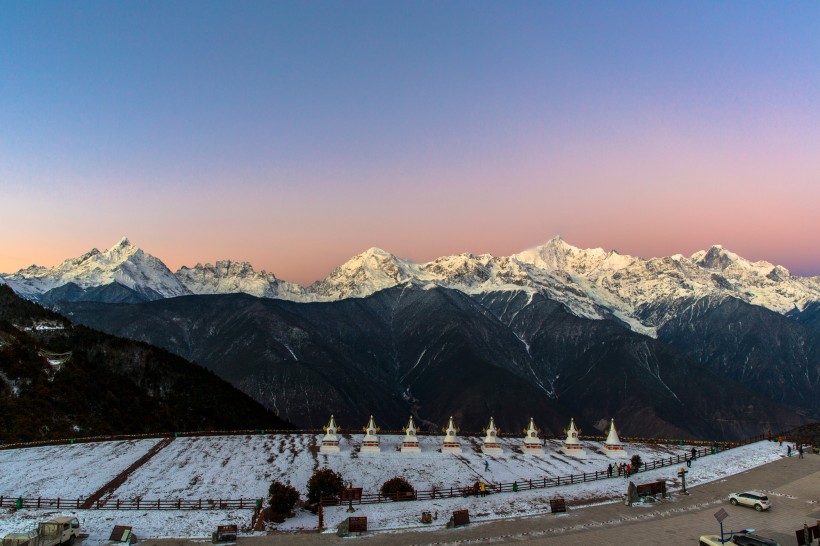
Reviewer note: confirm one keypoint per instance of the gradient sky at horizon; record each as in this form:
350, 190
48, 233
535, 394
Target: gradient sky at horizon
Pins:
295, 135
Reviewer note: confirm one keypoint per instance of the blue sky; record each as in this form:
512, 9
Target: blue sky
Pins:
282, 131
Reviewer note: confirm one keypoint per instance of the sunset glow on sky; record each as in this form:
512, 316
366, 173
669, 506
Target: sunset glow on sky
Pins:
295, 135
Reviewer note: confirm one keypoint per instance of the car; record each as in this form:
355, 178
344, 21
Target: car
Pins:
710, 540
750, 539
64, 530
757, 500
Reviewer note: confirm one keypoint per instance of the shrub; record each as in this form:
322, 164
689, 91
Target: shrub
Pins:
283, 497
392, 487
636, 463
324, 482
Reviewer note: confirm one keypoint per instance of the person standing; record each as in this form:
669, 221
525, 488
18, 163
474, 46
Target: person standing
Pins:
788, 450
800, 451
483, 488
609, 470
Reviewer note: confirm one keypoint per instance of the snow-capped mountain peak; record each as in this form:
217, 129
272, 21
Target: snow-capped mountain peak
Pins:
233, 277
558, 255
592, 283
123, 263
363, 274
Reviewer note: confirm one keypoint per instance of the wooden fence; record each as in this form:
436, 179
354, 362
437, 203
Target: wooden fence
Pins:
132, 504
527, 484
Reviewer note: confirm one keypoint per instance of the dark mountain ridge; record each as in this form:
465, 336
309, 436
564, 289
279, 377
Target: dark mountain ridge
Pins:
60, 380
440, 352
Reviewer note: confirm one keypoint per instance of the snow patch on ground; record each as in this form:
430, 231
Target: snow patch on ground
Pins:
66, 471
244, 466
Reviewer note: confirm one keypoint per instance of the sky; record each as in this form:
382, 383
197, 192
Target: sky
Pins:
295, 135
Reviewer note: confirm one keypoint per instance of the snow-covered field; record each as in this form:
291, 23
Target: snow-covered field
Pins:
66, 471
244, 466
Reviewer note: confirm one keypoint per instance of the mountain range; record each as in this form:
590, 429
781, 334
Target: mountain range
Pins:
642, 294
712, 345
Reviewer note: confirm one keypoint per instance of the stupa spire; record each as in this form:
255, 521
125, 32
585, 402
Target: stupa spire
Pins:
410, 443
613, 445
371, 441
330, 441
451, 444
532, 443
491, 445
572, 445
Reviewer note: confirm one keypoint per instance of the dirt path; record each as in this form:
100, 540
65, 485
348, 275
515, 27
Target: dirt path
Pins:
120, 478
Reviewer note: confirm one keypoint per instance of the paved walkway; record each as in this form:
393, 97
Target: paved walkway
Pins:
793, 485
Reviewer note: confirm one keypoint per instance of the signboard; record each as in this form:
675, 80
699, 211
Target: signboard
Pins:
357, 524
720, 515
812, 532
558, 505
121, 533
461, 517
654, 488
351, 494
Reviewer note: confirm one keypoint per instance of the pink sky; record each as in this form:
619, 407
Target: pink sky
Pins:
295, 135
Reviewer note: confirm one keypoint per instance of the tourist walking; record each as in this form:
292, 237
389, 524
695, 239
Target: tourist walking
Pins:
486, 465
788, 450
800, 451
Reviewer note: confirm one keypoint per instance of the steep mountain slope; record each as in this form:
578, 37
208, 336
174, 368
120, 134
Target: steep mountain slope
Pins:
438, 352
757, 347
59, 380
643, 383
809, 316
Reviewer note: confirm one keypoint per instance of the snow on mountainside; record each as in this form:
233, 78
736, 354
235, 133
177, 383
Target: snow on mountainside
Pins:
229, 277
592, 283
362, 275
123, 263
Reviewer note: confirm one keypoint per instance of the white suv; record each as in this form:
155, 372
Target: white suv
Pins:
755, 499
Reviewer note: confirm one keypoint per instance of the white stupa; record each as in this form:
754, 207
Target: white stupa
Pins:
410, 443
532, 443
613, 446
330, 442
491, 445
451, 444
572, 445
370, 444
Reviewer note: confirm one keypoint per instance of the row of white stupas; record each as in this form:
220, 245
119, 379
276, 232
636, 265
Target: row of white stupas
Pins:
532, 445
